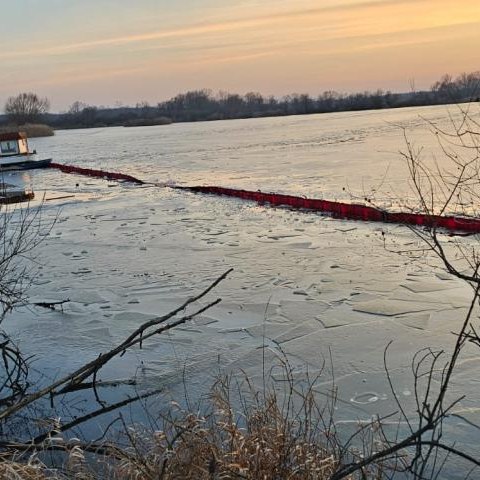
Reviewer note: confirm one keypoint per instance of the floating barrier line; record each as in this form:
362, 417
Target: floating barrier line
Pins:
349, 211
90, 172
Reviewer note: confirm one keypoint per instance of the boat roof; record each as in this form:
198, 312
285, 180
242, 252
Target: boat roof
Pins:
12, 136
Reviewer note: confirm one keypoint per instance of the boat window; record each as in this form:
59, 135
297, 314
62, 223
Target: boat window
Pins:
9, 147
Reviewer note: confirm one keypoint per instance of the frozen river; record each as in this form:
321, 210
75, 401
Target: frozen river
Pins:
303, 283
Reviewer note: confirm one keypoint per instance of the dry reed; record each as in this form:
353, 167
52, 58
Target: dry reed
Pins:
31, 129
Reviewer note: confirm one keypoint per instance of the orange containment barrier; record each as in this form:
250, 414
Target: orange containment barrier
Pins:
346, 210
89, 172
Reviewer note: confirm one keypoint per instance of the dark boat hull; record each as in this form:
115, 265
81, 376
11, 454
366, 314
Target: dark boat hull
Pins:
25, 165
24, 197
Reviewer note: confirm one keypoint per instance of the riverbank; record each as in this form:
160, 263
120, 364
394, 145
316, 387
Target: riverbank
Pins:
33, 130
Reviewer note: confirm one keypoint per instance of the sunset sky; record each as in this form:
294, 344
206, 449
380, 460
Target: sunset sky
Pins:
107, 51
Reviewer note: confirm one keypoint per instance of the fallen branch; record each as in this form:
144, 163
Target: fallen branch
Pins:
96, 413
71, 381
51, 305
104, 449
104, 384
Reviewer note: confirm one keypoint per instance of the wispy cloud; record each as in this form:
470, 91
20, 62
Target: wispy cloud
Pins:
348, 45
200, 29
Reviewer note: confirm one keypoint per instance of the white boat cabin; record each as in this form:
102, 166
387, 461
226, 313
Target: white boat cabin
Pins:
14, 143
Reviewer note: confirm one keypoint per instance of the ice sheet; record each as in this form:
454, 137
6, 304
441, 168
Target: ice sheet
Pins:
308, 284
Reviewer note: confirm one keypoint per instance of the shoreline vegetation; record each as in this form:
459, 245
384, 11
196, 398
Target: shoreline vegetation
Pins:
32, 130
148, 122
205, 105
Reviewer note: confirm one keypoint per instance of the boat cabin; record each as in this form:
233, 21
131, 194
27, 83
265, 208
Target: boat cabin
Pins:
13, 143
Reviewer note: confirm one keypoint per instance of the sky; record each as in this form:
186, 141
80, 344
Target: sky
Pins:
114, 52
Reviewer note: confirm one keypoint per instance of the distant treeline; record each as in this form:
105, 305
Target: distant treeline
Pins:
204, 105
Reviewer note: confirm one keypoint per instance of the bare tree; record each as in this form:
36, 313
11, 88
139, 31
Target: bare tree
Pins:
449, 186
76, 107
21, 230
26, 107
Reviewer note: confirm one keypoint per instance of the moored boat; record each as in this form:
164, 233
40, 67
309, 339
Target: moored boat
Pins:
13, 194
15, 155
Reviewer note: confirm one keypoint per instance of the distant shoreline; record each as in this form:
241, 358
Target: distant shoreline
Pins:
146, 122
204, 105
113, 118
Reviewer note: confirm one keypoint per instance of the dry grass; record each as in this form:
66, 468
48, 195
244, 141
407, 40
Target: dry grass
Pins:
75, 467
33, 470
276, 433
31, 129
267, 448
282, 435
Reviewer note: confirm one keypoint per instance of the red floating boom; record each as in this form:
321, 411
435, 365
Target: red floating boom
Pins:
336, 209
346, 210
89, 172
